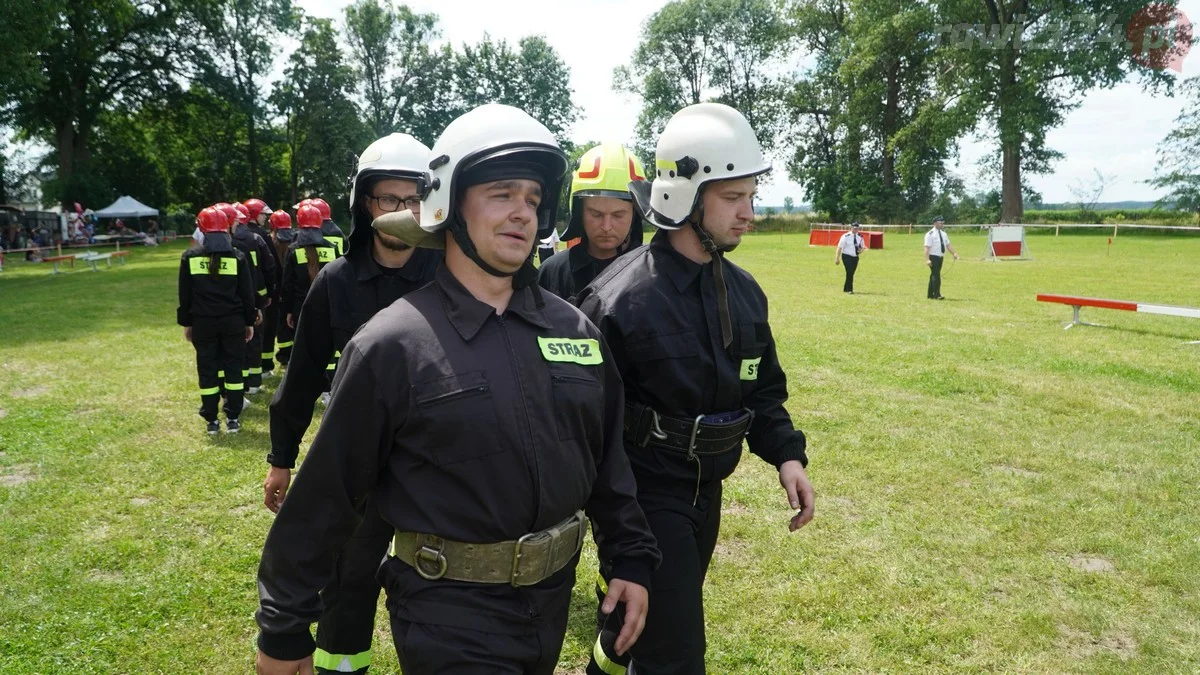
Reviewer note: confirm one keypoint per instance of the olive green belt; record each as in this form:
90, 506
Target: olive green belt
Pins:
523, 562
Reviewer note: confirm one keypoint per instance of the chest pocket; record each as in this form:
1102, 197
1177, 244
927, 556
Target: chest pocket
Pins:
450, 412
578, 402
751, 343
657, 347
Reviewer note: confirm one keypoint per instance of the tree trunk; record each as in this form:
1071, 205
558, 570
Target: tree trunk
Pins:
1012, 209
252, 151
890, 114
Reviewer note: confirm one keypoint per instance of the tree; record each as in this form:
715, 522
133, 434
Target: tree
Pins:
696, 50
788, 205
870, 136
533, 78
1020, 67
323, 127
240, 54
1179, 155
92, 56
1088, 192
397, 66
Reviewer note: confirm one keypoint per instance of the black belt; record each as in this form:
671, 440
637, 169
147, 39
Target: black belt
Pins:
644, 426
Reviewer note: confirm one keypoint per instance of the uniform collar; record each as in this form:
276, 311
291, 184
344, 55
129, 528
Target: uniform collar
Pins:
682, 270
468, 314
366, 267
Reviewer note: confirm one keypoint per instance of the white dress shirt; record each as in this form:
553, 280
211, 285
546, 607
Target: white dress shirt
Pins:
936, 241
851, 244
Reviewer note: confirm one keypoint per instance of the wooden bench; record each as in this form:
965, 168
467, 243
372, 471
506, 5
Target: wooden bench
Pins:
1076, 302
60, 259
120, 256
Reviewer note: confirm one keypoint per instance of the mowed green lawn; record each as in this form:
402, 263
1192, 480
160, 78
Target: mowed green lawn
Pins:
994, 493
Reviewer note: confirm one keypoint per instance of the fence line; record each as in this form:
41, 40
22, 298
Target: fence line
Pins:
1055, 226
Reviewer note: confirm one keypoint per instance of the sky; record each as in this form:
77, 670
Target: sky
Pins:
1115, 131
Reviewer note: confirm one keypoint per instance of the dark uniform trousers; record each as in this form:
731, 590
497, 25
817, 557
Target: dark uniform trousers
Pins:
219, 343
466, 631
270, 326
284, 337
673, 640
851, 263
935, 276
252, 354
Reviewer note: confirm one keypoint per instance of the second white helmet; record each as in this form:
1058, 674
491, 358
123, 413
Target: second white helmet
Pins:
700, 144
489, 132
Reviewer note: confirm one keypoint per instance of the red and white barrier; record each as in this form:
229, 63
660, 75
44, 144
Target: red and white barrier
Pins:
1076, 302
1006, 241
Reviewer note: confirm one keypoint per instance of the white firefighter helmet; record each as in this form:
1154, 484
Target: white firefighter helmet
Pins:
393, 156
487, 133
702, 143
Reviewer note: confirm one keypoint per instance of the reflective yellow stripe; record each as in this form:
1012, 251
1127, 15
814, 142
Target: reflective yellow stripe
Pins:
254, 257
585, 352
325, 254
601, 583
255, 371
267, 356
750, 369
282, 345
331, 366
337, 354
210, 391
665, 165
199, 265
341, 663
230, 386
606, 664
245, 373
221, 374
262, 292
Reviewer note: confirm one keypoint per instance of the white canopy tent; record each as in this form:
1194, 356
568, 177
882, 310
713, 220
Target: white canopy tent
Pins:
126, 207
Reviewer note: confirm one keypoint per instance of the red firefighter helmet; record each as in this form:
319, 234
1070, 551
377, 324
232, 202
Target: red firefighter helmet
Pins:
212, 220
280, 220
322, 206
230, 212
243, 213
256, 206
308, 216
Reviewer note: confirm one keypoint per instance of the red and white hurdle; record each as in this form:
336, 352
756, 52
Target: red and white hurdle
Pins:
1076, 302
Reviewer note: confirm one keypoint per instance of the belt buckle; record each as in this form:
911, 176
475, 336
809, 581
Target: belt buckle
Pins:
695, 432
656, 431
429, 554
516, 563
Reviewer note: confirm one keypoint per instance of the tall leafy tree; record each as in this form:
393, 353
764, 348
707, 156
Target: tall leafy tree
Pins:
240, 54
732, 51
323, 127
1021, 66
92, 55
1179, 155
397, 65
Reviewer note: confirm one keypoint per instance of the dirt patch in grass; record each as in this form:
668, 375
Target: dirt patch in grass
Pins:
106, 576
31, 392
3, 413
843, 507
140, 501
1016, 471
1082, 645
15, 475
735, 508
1086, 563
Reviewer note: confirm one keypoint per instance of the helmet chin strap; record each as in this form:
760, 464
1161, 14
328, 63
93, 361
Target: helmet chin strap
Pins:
718, 260
526, 274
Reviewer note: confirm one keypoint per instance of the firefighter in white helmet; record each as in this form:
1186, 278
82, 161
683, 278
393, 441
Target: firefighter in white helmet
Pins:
376, 271
438, 418
690, 333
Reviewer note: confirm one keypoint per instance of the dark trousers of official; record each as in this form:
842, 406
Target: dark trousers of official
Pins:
348, 621
455, 630
544, 253
673, 641
850, 262
220, 344
270, 326
935, 276
283, 340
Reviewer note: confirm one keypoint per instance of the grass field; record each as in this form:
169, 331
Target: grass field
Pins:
993, 493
